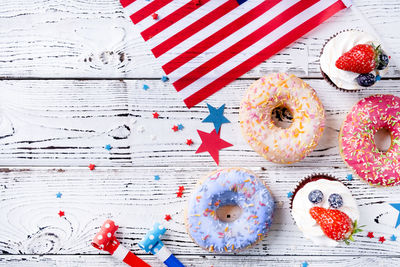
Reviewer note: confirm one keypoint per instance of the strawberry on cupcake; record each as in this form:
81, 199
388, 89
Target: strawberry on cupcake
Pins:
325, 211
352, 60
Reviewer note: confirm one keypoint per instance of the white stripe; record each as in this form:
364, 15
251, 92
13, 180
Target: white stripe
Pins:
233, 38
163, 254
120, 253
184, 22
209, 30
257, 47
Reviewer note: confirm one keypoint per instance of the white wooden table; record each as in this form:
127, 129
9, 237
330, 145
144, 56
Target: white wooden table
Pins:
71, 82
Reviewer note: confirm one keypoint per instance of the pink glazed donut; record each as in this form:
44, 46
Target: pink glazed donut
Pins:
357, 144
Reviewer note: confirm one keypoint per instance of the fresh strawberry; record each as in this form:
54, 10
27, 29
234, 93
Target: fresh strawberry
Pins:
360, 59
335, 224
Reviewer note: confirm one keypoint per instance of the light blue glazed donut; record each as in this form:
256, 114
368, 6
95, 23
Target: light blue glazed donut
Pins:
232, 186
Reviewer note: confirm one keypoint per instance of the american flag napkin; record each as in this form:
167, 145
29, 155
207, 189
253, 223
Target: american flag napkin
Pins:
204, 45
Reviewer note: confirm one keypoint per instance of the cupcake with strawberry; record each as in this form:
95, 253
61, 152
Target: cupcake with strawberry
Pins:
353, 60
325, 211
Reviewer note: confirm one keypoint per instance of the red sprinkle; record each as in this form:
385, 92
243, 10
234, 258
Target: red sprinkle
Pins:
181, 188
154, 15
61, 213
167, 217
155, 115
91, 167
370, 235
189, 142
382, 239
179, 194
175, 128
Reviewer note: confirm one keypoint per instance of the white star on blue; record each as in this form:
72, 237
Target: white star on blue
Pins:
397, 207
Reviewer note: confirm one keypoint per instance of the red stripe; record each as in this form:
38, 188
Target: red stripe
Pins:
194, 27
133, 260
263, 55
126, 3
242, 44
218, 36
169, 20
149, 9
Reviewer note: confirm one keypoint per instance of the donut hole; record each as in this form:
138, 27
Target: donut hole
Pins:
282, 117
383, 140
229, 213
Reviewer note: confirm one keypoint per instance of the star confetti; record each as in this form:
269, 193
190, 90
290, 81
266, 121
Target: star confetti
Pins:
189, 142
156, 177
58, 195
216, 117
393, 238
180, 127
155, 115
181, 188
382, 239
145, 87
290, 194
167, 217
154, 16
304, 264
370, 235
61, 213
164, 78
108, 147
179, 194
397, 207
349, 177
212, 143
91, 167
175, 128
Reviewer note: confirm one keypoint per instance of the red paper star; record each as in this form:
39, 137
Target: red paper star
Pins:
61, 213
370, 235
155, 115
154, 15
175, 128
212, 143
382, 239
189, 142
91, 167
167, 217
179, 194
181, 188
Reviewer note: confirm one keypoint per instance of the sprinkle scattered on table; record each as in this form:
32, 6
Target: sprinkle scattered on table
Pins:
393, 238
397, 207
180, 126
145, 87
189, 142
164, 78
370, 235
349, 177
58, 195
156, 177
304, 264
108, 147
156, 115
289, 194
154, 16
167, 217
179, 194
92, 167
61, 213
382, 239
212, 143
216, 117
175, 128
181, 188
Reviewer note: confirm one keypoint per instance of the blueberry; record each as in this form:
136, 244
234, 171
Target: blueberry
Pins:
335, 201
366, 79
383, 61
315, 196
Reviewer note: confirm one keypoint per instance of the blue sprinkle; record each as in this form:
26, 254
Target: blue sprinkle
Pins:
180, 126
377, 78
164, 78
393, 238
156, 177
145, 87
108, 147
290, 194
349, 177
304, 264
59, 195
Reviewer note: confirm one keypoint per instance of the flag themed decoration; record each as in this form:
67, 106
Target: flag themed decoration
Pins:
202, 45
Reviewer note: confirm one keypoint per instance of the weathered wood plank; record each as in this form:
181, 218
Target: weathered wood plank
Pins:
199, 260
95, 39
68, 122
131, 196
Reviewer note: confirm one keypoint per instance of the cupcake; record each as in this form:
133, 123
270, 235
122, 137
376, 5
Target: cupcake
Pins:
352, 60
324, 210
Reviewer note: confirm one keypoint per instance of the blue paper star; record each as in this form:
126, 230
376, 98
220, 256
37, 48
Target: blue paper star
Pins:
393, 238
349, 177
397, 207
108, 147
290, 194
145, 87
180, 126
304, 264
164, 78
216, 116
58, 195
156, 177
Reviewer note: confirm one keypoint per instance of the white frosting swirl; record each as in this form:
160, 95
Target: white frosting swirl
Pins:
335, 48
301, 208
